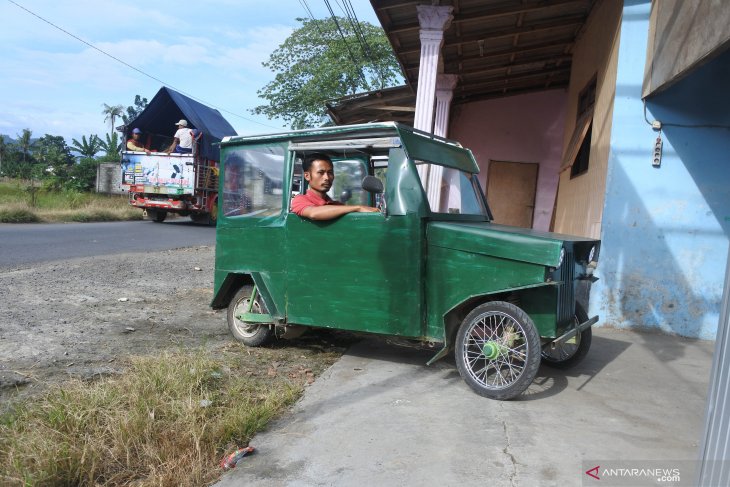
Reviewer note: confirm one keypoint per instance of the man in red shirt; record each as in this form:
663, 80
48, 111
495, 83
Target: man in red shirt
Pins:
316, 204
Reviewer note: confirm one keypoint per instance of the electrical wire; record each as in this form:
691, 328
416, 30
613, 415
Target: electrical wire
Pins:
137, 69
347, 45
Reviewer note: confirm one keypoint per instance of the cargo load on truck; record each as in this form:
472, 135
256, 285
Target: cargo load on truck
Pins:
160, 181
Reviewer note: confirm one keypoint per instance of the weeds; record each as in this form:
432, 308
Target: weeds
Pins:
61, 206
166, 422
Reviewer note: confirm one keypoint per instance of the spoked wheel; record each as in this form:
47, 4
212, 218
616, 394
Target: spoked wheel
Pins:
498, 350
570, 352
251, 334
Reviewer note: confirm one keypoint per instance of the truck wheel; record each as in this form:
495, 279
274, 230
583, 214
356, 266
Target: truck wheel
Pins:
213, 217
497, 350
251, 334
571, 352
157, 215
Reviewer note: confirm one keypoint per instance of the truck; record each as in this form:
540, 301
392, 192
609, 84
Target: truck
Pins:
186, 184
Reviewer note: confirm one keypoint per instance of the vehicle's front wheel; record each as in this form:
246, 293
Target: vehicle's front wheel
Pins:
498, 350
570, 352
251, 334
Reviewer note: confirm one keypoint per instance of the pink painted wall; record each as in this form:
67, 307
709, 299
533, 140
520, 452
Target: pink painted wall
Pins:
521, 128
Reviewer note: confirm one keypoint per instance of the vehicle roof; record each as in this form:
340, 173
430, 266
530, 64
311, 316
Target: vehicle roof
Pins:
419, 145
168, 107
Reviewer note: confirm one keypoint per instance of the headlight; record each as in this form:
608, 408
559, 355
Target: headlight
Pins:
592, 254
562, 256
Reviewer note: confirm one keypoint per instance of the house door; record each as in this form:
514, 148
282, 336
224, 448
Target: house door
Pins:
511, 188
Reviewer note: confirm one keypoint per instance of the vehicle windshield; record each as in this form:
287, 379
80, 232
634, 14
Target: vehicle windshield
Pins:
451, 191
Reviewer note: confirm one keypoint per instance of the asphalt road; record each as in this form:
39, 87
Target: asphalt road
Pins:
28, 244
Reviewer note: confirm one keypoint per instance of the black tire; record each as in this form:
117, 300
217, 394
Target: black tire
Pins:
156, 216
572, 352
497, 350
213, 215
252, 335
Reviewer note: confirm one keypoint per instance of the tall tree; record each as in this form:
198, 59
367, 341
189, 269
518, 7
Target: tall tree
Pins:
133, 111
86, 148
25, 142
111, 112
315, 64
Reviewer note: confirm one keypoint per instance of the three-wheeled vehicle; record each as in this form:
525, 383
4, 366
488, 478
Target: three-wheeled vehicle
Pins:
430, 267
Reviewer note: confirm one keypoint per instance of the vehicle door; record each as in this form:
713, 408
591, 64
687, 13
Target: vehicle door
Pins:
361, 271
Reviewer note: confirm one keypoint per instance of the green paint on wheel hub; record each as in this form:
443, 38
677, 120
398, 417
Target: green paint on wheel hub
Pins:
491, 350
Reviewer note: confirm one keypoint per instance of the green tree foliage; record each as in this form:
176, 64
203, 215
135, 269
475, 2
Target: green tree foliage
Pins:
133, 111
111, 113
111, 147
25, 142
51, 151
314, 64
87, 148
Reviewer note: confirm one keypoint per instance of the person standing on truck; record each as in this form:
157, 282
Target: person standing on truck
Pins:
134, 144
183, 143
315, 204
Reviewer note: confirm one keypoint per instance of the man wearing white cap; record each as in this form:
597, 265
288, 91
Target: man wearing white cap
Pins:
183, 143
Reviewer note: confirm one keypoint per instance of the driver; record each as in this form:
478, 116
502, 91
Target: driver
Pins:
315, 204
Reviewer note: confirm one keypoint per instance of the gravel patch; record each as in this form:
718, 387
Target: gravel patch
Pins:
81, 317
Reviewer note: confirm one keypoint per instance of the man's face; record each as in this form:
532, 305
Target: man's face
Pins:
320, 176
135, 135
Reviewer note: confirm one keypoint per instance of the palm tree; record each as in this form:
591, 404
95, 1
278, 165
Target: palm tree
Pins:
112, 112
25, 143
111, 146
87, 148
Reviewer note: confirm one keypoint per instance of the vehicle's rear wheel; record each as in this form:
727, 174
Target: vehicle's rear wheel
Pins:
497, 350
157, 216
251, 334
213, 217
570, 352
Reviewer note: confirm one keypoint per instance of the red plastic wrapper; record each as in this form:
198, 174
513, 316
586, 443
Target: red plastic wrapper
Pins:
230, 461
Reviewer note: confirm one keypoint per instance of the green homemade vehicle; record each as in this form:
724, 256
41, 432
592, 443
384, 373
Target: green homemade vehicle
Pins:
430, 267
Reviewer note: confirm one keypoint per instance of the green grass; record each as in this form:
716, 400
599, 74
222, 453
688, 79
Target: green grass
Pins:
167, 421
61, 206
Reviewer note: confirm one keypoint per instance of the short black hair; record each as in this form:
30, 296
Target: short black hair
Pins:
315, 156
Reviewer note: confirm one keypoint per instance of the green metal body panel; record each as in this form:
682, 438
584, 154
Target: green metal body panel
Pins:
399, 274
455, 276
496, 241
360, 272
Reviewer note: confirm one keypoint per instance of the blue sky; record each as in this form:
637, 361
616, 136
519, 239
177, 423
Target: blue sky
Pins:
52, 83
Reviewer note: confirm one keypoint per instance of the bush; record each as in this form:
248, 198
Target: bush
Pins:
18, 215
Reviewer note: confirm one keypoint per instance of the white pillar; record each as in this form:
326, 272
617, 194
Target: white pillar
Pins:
445, 84
434, 20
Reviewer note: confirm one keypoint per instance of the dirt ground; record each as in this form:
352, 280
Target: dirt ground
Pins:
82, 317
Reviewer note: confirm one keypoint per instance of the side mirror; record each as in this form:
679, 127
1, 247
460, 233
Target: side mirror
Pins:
345, 195
371, 184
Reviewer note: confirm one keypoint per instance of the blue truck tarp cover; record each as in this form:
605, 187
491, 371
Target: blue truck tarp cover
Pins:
168, 107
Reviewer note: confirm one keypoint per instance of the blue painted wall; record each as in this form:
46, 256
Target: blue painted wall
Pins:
665, 230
